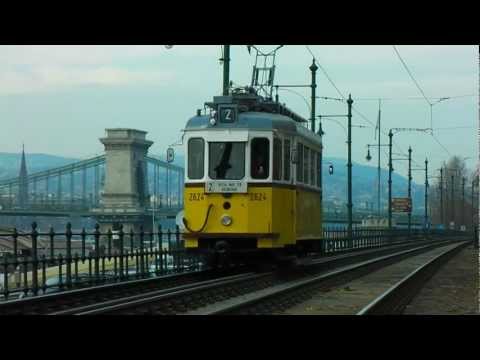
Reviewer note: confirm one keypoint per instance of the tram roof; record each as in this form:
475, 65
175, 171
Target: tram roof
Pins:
255, 121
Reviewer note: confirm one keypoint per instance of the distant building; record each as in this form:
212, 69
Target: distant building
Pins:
377, 222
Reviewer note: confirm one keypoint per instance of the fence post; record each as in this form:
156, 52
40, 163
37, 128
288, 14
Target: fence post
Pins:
84, 236
5, 277
475, 238
120, 235
51, 234
142, 264
179, 252
96, 234
169, 252
160, 246
34, 259
109, 242
15, 244
68, 236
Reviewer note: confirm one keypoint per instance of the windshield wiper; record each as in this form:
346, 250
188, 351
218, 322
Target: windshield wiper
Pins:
224, 165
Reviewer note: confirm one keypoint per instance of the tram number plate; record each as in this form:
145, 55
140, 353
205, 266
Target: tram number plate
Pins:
226, 187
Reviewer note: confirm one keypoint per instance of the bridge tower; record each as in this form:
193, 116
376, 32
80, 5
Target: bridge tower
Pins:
124, 198
23, 182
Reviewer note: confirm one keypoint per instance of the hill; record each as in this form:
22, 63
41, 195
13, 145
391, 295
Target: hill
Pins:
364, 183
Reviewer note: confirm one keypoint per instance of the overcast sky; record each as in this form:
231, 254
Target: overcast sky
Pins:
59, 99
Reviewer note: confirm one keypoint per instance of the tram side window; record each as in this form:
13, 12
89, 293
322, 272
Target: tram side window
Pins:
260, 158
300, 163
277, 159
196, 152
313, 155
286, 160
306, 165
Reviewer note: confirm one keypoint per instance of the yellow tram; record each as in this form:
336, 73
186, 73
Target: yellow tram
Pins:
252, 184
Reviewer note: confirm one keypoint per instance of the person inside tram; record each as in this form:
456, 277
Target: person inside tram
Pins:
259, 170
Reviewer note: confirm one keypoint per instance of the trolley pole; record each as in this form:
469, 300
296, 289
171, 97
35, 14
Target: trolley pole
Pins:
226, 69
390, 169
409, 188
349, 166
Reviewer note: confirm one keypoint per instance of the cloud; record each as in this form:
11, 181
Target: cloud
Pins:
48, 78
27, 69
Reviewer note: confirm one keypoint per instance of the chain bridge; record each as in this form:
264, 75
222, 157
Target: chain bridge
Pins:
124, 184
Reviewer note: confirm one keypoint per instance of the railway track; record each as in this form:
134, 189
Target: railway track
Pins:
50, 303
277, 299
396, 298
183, 293
188, 299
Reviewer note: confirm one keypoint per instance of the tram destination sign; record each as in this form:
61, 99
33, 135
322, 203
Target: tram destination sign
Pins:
401, 205
226, 186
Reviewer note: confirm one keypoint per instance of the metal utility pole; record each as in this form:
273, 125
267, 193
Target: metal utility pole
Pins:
226, 69
313, 69
453, 201
349, 166
463, 201
409, 188
378, 166
441, 196
320, 171
473, 206
390, 169
426, 193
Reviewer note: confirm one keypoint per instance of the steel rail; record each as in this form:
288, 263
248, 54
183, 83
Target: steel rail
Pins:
235, 304
161, 295
397, 297
44, 304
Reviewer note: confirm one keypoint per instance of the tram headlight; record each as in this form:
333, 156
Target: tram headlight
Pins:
213, 121
226, 220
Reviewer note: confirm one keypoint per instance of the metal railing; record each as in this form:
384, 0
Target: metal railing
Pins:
78, 258
39, 262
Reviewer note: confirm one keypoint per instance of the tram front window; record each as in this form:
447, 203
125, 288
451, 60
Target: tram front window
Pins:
227, 160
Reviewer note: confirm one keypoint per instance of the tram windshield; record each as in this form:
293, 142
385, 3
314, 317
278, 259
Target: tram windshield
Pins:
226, 160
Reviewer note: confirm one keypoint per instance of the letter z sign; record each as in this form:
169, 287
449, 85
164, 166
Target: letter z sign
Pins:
227, 114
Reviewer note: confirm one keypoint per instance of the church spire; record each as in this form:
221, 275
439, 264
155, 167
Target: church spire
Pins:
23, 181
